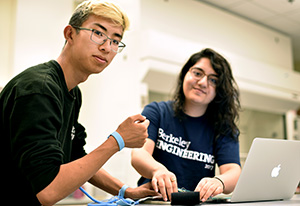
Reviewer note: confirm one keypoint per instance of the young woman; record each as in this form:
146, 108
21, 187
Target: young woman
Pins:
195, 131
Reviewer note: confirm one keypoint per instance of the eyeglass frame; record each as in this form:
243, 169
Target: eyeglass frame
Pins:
213, 84
120, 48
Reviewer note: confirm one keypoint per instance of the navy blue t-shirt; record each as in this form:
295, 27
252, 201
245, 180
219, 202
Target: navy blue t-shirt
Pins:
186, 146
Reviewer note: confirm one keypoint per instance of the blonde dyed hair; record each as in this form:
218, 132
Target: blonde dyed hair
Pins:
105, 9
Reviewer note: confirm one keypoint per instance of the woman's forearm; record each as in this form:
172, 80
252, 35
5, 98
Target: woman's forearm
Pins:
143, 161
229, 173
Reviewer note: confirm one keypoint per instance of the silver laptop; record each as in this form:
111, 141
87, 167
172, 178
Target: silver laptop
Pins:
271, 171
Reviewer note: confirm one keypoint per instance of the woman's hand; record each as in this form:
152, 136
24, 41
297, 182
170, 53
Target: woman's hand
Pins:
209, 187
165, 182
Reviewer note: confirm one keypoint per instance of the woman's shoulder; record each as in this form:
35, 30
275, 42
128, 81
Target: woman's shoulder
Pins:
161, 107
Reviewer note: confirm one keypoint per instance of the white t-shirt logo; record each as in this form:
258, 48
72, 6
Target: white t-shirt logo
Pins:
73, 133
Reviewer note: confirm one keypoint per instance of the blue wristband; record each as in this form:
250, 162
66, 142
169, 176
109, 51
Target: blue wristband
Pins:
119, 139
122, 191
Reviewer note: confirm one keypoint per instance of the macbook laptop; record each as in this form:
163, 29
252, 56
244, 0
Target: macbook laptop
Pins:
271, 171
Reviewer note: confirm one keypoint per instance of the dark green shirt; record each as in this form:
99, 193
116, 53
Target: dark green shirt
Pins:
39, 130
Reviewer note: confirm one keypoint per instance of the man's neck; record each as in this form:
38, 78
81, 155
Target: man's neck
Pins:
72, 75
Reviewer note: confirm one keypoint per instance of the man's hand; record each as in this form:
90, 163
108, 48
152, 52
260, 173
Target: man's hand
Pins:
134, 131
165, 182
209, 187
144, 190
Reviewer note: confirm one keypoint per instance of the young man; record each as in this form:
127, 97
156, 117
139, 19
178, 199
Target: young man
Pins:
43, 157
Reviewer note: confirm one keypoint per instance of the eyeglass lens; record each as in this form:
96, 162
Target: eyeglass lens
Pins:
199, 74
100, 38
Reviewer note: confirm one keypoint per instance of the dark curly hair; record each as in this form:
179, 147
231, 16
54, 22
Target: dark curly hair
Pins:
223, 111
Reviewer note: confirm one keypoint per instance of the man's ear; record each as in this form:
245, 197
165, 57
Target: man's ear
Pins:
68, 33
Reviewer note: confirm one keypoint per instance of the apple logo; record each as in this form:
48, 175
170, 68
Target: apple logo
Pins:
275, 171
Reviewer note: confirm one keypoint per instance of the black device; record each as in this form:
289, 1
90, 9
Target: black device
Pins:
185, 198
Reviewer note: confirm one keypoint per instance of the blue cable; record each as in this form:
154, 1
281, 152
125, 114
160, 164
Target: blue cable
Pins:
114, 201
88, 195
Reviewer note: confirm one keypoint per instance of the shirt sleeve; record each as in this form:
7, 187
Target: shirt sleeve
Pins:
152, 113
227, 151
34, 124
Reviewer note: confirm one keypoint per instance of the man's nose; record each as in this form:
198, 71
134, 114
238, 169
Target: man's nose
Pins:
105, 46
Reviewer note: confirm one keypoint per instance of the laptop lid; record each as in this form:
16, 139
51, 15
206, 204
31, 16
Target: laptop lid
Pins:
271, 171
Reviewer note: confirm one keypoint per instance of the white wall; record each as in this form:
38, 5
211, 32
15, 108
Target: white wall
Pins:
39, 31
7, 24
199, 23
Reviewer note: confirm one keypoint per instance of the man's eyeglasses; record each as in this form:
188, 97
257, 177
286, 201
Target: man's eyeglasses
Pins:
100, 38
198, 74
